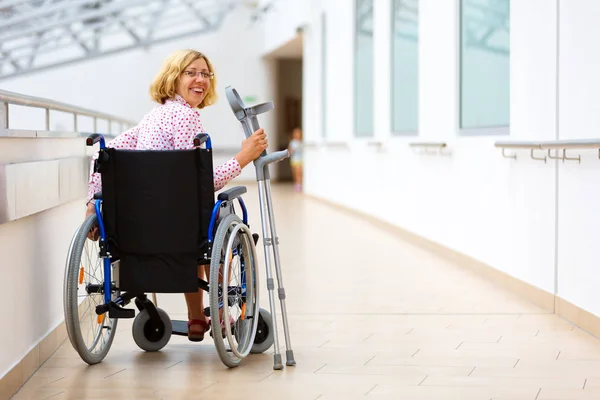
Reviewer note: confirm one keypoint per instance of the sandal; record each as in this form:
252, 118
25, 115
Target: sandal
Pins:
198, 336
223, 330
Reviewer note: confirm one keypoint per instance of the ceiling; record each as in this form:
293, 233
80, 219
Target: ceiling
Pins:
41, 34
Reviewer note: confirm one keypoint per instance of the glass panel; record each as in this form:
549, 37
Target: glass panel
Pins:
405, 66
485, 63
363, 64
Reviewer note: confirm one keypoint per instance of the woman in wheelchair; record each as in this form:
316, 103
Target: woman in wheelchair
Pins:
185, 84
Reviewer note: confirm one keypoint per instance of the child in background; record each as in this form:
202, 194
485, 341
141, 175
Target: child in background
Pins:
295, 149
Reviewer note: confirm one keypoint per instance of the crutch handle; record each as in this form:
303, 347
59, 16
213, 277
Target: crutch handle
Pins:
247, 117
272, 158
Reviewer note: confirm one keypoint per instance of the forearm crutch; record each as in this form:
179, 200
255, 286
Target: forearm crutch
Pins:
247, 117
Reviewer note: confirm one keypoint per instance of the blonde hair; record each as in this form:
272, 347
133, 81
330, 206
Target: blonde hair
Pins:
165, 82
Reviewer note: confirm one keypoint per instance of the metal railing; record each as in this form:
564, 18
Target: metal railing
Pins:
334, 144
7, 98
549, 146
440, 148
538, 150
377, 145
425, 148
59, 178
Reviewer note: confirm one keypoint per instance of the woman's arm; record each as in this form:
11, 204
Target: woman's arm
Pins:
226, 172
185, 126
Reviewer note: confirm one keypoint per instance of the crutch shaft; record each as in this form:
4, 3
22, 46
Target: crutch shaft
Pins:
278, 273
277, 364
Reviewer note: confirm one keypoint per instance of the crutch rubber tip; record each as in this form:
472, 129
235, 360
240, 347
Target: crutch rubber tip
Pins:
277, 364
289, 355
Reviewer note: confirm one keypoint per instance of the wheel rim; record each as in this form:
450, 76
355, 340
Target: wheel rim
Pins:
262, 331
95, 324
219, 256
90, 334
243, 330
153, 332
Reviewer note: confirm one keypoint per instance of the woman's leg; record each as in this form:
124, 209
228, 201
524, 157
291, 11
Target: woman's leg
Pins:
195, 305
296, 176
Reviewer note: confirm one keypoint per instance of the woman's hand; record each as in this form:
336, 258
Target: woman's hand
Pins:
252, 147
93, 234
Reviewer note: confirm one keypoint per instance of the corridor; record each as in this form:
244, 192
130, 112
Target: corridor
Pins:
372, 316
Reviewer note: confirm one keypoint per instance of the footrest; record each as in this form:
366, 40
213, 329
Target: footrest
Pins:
179, 328
115, 311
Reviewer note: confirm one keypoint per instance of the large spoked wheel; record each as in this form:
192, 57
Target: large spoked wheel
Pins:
233, 291
90, 334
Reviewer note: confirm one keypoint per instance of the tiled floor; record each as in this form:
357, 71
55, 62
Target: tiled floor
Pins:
371, 317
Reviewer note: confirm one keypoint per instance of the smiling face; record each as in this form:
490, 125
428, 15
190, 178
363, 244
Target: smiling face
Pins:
194, 82
189, 74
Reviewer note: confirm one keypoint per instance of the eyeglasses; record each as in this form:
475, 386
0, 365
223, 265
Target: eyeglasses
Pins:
204, 74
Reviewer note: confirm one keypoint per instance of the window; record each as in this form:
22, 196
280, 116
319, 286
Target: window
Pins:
363, 68
484, 63
405, 66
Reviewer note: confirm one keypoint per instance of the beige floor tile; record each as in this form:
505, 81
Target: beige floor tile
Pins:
445, 360
563, 383
512, 398
593, 380
453, 392
394, 323
395, 371
548, 370
32, 393
565, 394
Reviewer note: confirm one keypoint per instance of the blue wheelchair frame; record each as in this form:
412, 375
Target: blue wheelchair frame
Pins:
104, 251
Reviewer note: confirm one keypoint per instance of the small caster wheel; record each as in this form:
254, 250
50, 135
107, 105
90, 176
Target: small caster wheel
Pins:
264, 333
151, 336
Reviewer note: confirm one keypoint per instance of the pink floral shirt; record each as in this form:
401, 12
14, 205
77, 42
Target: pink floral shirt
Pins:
169, 126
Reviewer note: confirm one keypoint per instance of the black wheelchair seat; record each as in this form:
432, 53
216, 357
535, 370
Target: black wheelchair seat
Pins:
157, 207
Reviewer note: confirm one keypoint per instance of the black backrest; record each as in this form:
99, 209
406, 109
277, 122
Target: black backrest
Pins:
157, 205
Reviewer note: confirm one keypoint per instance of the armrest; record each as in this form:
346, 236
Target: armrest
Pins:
232, 193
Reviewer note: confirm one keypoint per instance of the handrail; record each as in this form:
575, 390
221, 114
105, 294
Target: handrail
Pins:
428, 144
377, 144
550, 145
440, 146
572, 144
7, 98
334, 144
515, 144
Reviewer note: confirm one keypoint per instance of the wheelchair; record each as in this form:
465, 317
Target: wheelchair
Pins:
157, 221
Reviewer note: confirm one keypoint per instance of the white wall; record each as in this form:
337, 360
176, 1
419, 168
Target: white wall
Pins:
579, 194
493, 209
500, 211
33, 252
282, 21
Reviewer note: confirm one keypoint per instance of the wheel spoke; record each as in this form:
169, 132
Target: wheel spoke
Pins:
91, 335
233, 266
